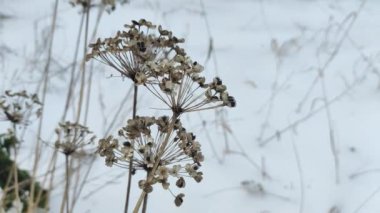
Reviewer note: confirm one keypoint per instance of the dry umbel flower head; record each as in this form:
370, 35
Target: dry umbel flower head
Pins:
141, 140
157, 62
151, 57
130, 50
71, 137
19, 107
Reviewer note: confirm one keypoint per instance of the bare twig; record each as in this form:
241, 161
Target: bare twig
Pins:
377, 190
300, 174
83, 64
314, 112
129, 184
364, 172
72, 73
352, 17
65, 198
44, 91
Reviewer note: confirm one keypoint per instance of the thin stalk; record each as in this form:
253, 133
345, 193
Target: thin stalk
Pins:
155, 166
16, 185
79, 185
131, 162
67, 184
44, 90
145, 204
51, 180
77, 193
71, 83
65, 198
83, 76
87, 106
52, 164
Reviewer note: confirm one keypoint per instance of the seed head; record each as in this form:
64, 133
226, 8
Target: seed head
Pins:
135, 51
19, 107
72, 136
179, 199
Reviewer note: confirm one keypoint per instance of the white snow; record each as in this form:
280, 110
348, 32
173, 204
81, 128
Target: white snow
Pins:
269, 53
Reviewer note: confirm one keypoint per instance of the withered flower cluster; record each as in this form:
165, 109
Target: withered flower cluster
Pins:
151, 57
131, 51
144, 136
19, 107
158, 63
72, 136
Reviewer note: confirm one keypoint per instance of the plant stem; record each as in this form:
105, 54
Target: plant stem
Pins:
131, 161
53, 166
16, 186
72, 73
83, 64
65, 199
161, 151
145, 204
45, 80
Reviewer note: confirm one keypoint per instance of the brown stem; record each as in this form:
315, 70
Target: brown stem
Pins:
131, 161
45, 80
65, 198
83, 76
52, 165
16, 184
73, 67
156, 163
145, 204
80, 184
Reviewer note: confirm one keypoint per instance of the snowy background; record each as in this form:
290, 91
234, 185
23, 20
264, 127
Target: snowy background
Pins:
304, 136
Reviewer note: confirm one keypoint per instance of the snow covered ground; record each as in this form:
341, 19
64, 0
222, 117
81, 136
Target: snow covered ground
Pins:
304, 136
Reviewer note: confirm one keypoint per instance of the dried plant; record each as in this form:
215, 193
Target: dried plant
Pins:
72, 136
18, 107
71, 139
157, 62
131, 52
151, 57
143, 136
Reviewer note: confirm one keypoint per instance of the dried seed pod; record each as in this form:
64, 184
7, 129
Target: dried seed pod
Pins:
148, 189
145, 186
165, 185
217, 81
163, 32
141, 184
179, 199
127, 144
231, 101
198, 177
180, 183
